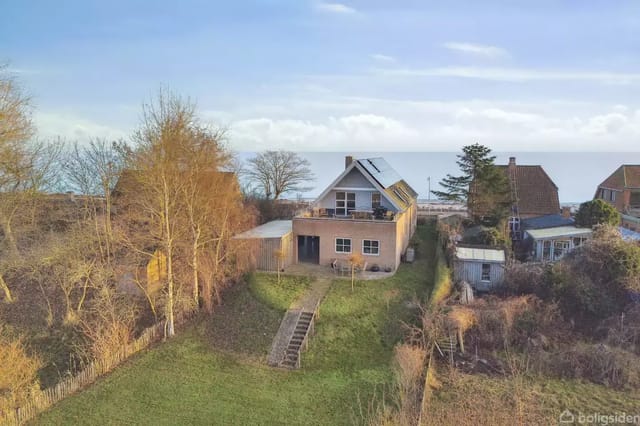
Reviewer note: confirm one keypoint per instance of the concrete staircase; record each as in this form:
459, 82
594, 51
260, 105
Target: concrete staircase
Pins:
299, 340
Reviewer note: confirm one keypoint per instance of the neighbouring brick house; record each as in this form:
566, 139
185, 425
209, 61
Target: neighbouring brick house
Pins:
537, 194
622, 190
533, 194
368, 209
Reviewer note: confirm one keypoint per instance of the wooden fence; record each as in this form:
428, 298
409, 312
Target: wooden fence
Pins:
40, 400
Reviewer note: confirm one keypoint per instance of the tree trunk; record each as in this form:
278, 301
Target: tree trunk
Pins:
195, 266
5, 288
10, 237
107, 223
169, 247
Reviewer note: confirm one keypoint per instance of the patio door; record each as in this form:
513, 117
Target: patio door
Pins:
308, 249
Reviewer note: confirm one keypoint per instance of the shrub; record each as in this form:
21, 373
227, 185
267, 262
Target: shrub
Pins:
528, 278
591, 283
443, 283
516, 321
597, 212
609, 366
408, 369
18, 373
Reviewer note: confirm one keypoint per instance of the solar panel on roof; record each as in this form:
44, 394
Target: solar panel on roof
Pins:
381, 171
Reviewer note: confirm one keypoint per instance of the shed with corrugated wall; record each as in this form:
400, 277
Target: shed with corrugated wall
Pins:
264, 241
483, 268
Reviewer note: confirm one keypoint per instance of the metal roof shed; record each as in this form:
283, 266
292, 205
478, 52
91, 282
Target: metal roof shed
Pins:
483, 268
263, 241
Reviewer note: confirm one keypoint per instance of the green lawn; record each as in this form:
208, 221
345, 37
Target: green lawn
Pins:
214, 372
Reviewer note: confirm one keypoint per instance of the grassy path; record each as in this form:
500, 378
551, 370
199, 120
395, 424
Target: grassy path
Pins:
214, 373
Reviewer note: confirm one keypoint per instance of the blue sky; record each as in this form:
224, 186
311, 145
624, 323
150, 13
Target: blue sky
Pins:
328, 76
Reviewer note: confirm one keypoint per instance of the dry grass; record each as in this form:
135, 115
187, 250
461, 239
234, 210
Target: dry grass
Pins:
409, 365
18, 373
609, 366
478, 400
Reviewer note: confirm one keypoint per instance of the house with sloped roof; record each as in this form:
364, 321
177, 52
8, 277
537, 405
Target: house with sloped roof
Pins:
537, 194
622, 190
368, 209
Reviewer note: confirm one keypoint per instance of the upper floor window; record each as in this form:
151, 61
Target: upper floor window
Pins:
345, 202
375, 200
613, 195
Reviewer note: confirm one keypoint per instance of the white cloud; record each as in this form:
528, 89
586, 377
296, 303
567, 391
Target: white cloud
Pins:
334, 8
73, 127
515, 74
379, 124
476, 49
382, 58
354, 132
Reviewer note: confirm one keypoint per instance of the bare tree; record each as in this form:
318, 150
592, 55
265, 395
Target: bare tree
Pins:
93, 170
157, 164
278, 172
26, 169
15, 114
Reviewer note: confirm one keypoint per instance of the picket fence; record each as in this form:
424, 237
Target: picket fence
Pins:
40, 400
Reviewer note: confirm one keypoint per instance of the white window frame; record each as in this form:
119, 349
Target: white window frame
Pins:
345, 207
335, 245
371, 254
560, 248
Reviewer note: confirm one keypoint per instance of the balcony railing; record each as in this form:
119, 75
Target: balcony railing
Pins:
634, 211
373, 215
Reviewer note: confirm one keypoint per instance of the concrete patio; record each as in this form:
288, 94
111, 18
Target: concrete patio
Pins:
325, 271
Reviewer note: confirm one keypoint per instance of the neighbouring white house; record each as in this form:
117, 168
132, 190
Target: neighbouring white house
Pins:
550, 244
482, 268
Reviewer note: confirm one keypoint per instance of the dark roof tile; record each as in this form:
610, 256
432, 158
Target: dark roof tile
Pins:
537, 194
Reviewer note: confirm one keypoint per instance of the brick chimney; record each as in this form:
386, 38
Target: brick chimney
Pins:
566, 212
347, 161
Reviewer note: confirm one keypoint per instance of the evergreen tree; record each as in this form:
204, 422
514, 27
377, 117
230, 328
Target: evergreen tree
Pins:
597, 212
482, 186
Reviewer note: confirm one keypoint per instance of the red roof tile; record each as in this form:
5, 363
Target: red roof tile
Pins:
537, 194
625, 176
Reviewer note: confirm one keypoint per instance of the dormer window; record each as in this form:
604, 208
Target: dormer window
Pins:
345, 203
